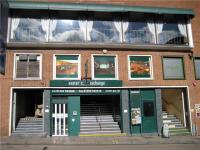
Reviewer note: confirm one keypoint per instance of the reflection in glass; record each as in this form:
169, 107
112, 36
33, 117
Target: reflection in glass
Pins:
29, 29
68, 30
104, 31
172, 32
139, 32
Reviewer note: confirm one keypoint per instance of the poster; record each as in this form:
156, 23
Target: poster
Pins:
104, 67
67, 66
135, 116
197, 110
140, 67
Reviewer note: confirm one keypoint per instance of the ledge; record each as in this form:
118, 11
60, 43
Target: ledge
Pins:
67, 46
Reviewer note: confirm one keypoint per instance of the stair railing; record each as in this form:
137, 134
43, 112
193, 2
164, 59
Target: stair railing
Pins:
100, 117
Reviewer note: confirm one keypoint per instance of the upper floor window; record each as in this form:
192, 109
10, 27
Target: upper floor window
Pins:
171, 29
139, 29
27, 66
103, 28
173, 68
29, 29
197, 67
67, 67
140, 67
104, 67
67, 27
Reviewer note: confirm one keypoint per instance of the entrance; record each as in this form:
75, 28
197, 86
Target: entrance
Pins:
175, 111
143, 111
100, 114
59, 119
27, 112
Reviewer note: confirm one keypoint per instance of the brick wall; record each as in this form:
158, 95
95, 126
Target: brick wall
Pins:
6, 81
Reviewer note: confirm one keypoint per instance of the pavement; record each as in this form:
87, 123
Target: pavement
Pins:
107, 140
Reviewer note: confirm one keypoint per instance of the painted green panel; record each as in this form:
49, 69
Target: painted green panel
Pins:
148, 94
74, 115
135, 103
82, 83
149, 123
94, 7
66, 57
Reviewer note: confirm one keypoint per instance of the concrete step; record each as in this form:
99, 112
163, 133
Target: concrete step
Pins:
100, 132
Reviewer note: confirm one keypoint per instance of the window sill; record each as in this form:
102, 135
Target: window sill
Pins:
123, 46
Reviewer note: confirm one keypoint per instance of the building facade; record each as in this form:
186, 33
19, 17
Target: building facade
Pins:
101, 68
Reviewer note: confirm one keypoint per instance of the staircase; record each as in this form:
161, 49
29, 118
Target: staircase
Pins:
175, 126
98, 119
29, 126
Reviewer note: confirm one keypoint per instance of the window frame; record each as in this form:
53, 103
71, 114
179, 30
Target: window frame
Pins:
195, 73
28, 78
151, 68
116, 67
54, 66
183, 67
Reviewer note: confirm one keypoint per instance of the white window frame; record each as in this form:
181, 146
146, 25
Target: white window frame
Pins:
28, 78
54, 67
151, 68
116, 67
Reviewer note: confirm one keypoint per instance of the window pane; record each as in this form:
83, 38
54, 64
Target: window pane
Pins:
104, 67
29, 29
197, 67
68, 30
27, 66
148, 109
171, 31
173, 68
67, 66
34, 67
22, 69
139, 30
140, 67
104, 31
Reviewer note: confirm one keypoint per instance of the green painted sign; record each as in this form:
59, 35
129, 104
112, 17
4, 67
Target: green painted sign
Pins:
84, 83
85, 91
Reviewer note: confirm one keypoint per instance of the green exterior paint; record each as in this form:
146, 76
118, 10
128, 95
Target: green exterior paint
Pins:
149, 123
84, 83
86, 91
74, 115
93, 7
144, 98
135, 103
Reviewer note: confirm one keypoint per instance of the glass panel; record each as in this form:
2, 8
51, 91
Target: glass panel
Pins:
104, 31
197, 67
104, 67
171, 31
67, 66
148, 109
139, 30
28, 29
140, 67
68, 30
173, 68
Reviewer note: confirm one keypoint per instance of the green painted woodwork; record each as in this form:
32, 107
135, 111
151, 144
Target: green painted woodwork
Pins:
149, 123
74, 115
83, 83
135, 103
144, 98
17, 4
